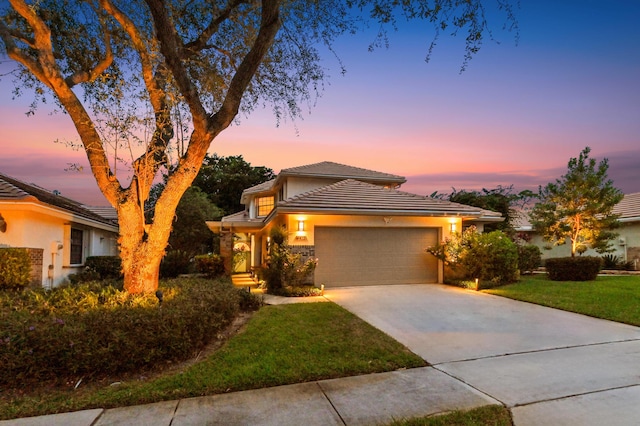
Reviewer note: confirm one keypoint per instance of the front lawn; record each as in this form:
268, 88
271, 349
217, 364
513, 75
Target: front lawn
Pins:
612, 297
280, 345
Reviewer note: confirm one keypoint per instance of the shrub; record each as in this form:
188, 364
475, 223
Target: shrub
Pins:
493, 259
611, 261
249, 301
85, 276
93, 331
580, 268
174, 263
210, 264
284, 268
107, 267
529, 258
15, 268
300, 291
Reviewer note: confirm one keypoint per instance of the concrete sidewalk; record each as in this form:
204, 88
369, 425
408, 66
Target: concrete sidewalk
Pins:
371, 399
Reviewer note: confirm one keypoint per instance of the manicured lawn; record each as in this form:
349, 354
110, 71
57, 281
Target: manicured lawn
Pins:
280, 345
490, 415
612, 297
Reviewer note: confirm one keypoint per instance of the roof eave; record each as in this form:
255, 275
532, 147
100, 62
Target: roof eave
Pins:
378, 212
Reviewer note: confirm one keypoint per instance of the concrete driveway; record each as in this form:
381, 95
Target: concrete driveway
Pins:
548, 366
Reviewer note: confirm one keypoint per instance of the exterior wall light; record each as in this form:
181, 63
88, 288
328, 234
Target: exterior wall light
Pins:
301, 226
452, 227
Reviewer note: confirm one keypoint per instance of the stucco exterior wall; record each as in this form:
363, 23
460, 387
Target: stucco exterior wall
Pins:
296, 186
626, 246
306, 237
34, 229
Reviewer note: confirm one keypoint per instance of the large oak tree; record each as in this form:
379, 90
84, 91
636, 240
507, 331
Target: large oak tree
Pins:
149, 84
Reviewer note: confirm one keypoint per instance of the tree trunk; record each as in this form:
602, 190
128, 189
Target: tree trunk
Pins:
142, 246
141, 271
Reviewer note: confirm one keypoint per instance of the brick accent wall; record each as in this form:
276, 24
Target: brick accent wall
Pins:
306, 252
226, 250
36, 255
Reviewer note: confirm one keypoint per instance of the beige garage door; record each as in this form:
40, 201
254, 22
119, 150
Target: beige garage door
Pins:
374, 256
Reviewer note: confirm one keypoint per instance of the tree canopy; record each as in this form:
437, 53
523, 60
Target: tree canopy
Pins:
578, 206
149, 84
224, 178
500, 199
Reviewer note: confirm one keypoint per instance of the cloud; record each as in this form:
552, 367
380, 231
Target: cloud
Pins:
624, 170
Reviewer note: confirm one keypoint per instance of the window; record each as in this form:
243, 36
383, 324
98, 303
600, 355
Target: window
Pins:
264, 206
77, 239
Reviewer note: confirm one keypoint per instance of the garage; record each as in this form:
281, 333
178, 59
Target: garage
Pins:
374, 256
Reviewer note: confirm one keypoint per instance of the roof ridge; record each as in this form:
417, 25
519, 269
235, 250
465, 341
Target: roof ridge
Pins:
366, 173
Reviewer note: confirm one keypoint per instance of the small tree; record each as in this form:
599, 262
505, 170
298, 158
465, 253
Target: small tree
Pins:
578, 207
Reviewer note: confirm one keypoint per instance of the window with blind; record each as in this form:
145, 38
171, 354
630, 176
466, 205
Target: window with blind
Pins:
77, 237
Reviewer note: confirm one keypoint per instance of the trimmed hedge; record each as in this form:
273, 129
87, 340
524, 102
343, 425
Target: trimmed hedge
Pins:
174, 263
581, 268
529, 258
90, 331
107, 267
15, 268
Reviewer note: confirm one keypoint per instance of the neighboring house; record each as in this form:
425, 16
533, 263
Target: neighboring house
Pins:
626, 246
59, 232
356, 222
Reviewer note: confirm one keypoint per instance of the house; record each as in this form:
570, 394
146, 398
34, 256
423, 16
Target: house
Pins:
626, 246
358, 224
58, 232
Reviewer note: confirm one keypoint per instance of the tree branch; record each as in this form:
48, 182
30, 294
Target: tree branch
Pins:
269, 26
45, 68
200, 42
86, 76
172, 50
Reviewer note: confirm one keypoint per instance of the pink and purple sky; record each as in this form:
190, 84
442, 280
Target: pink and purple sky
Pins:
515, 116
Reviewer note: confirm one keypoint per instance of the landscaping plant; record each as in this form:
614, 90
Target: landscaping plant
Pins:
492, 258
286, 272
15, 268
92, 331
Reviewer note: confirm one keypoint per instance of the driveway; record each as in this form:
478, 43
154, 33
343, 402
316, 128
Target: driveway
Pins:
547, 365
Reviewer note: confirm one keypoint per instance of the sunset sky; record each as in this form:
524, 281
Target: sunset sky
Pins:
515, 116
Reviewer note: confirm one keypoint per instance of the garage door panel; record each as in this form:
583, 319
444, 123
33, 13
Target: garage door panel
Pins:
374, 256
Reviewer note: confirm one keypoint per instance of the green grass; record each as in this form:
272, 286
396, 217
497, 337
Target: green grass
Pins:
280, 345
490, 415
614, 297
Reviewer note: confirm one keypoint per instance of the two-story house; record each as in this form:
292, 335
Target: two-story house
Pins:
362, 229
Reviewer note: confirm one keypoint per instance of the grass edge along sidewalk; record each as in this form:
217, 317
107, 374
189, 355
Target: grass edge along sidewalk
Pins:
610, 297
280, 345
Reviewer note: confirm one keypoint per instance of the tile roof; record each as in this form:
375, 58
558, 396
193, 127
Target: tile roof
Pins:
14, 189
359, 197
256, 189
340, 171
629, 207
